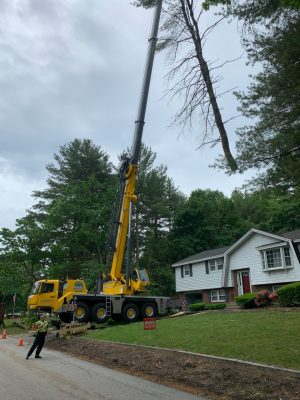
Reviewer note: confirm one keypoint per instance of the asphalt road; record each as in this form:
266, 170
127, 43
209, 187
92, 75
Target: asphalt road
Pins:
58, 376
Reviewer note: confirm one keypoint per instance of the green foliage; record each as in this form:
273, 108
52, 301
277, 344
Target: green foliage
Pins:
159, 201
145, 3
206, 306
289, 295
209, 3
246, 300
207, 220
215, 306
28, 319
268, 209
197, 307
271, 144
64, 234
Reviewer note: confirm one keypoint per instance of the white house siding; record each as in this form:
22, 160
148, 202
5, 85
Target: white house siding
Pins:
200, 280
247, 256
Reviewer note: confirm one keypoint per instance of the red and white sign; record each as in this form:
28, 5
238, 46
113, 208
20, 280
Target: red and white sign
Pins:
149, 323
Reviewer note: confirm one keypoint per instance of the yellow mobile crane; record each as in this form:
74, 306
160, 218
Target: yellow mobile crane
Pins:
118, 293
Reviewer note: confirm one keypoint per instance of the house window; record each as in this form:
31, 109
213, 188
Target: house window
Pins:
287, 257
277, 258
273, 258
186, 270
217, 295
220, 263
212, 265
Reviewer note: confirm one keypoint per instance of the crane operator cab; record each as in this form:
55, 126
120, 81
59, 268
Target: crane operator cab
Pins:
139, 280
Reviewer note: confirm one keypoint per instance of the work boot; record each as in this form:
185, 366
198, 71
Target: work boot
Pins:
26, 358
38, 357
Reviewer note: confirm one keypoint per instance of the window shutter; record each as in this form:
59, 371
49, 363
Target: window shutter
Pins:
191, 269
206, 267
226, 295
182, 275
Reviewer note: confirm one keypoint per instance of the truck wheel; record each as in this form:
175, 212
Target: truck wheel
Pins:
149, 310
99, 313
82, 312
130, 312
66, 317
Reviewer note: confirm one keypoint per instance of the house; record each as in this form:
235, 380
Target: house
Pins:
258, 260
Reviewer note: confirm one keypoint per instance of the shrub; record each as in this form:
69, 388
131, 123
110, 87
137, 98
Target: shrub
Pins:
28, 319
215, 306
263, 298
273, 296
289, 295
197, 307
246, 300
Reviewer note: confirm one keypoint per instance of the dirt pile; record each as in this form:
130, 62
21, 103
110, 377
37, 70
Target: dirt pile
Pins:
215, 379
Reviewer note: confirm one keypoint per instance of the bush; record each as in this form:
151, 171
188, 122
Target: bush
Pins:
273, 296
197, 307
209, 306
289, 295
215, 306
29, 319
246, 300
263, 298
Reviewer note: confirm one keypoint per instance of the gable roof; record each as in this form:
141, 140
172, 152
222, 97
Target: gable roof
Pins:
214, 253
293, 235
252, 232
203, 255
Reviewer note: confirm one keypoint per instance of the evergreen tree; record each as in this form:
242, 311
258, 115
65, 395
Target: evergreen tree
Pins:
207, 220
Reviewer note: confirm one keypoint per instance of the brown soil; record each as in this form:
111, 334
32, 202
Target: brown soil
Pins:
212, 378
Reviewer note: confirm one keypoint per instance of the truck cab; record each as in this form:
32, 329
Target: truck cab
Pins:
53, 295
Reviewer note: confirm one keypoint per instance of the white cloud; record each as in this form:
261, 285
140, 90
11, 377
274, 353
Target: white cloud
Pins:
74, 69
16, 193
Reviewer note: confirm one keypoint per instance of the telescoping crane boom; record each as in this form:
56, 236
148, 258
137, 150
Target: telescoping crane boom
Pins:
120, 283
117, 297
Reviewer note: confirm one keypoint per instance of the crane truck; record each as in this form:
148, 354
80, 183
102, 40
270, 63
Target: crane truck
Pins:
119, 294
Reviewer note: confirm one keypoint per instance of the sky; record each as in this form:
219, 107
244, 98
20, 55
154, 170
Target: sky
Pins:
73, 69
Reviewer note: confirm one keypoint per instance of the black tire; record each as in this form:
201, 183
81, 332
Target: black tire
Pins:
82, 312
66, 317
149, 310
99, 313
130, 312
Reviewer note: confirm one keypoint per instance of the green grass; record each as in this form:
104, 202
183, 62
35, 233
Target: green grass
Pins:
264, 336
11, 328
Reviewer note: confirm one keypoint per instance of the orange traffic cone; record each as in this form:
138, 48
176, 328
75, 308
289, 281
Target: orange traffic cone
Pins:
21, 342
3, 334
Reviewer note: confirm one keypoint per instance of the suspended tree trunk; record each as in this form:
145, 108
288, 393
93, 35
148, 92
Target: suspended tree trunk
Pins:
192, 26
190, 77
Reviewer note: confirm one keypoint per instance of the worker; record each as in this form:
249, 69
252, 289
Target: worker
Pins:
41, 327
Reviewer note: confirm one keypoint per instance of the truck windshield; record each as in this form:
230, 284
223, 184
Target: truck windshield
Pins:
35, 288
143, 275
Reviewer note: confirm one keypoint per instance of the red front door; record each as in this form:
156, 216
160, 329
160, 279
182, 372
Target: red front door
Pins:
246, 282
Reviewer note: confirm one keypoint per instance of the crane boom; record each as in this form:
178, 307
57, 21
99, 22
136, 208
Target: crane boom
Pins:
118, 283
114, 296
140, 121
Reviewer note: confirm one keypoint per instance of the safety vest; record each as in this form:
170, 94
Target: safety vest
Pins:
42, 325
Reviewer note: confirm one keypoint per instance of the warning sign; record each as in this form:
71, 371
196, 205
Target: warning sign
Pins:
149, 323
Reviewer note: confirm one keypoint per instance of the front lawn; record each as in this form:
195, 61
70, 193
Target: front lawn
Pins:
270, 337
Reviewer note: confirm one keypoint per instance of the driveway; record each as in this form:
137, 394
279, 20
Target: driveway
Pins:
59, 376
